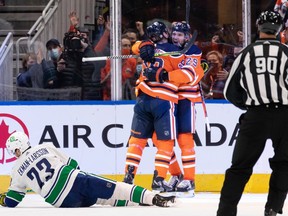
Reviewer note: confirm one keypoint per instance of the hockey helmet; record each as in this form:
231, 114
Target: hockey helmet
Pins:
181, 27
269, 22
156, 31
17, 140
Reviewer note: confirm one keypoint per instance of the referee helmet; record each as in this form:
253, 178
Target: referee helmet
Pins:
269, 22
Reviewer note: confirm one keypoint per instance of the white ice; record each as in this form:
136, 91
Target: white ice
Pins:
203, 204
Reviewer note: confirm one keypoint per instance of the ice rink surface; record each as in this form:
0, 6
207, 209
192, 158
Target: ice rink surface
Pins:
203, 204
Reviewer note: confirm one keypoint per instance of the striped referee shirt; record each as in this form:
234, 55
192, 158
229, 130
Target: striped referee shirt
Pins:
259, 75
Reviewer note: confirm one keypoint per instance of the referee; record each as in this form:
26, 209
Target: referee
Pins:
258, 83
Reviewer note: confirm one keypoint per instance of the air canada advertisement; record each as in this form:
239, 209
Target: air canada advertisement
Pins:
97, 136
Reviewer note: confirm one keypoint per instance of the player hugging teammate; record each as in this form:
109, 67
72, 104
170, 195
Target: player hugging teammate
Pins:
167, 91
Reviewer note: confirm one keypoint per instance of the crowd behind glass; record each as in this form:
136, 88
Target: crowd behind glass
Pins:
64, 69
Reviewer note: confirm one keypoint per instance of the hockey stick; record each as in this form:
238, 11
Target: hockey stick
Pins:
180, 52
187, 11
204, 108
101, 58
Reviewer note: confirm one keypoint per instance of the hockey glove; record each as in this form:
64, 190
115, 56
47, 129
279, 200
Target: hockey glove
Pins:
147, 51
2, 199
156, 74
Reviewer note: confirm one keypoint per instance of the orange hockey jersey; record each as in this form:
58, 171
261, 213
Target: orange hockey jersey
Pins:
183, 72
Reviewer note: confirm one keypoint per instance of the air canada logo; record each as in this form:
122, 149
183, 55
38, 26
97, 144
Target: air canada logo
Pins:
8, 125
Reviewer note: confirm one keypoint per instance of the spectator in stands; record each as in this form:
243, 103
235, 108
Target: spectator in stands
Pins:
218, 43
213, 44
99, 28
136, 34
85, 42
31, 75
81, 32
72, 72
102, 47
240, 43
100, 24
23, 78
138, 67
29, 57
132, 35
228, 62
222, 40
128, 69
240, 40
284, 34
53, 67
74, 21
85, 45
214, 79
89, 71
129, 85
73, 50
141, 32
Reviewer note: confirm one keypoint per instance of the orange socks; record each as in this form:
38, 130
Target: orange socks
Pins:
134, 152
163, 156
186, 143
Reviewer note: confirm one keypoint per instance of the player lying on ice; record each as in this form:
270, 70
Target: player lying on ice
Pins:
57, 178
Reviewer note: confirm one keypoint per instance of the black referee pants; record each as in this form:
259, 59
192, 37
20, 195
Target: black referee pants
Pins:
256, 126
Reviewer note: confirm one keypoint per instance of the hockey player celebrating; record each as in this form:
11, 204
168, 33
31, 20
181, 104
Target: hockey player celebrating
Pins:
189, 94
57, 178
155, 107
183, 71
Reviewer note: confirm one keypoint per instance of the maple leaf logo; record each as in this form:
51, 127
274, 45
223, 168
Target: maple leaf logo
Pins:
4, 131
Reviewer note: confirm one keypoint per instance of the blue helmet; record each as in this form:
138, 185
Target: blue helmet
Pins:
181, 27
269, 22
156, 30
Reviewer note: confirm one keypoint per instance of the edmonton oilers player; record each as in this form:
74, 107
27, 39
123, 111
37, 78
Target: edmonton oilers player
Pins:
57, 178
154, 110
189, 93
156, 82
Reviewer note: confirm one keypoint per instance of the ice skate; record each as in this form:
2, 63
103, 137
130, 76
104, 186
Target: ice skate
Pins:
163, 201
185, 188
129, 176
174, 180
159, 184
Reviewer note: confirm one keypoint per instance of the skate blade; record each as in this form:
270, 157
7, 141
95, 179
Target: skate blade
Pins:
158, 192
188, 194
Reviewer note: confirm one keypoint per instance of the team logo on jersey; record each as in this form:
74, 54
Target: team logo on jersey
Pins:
8, 125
